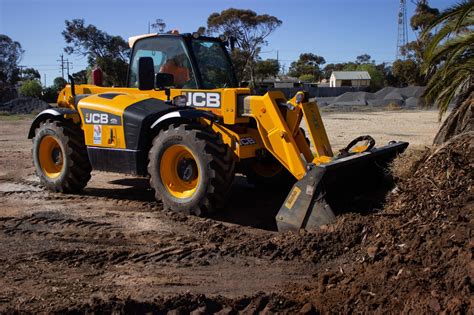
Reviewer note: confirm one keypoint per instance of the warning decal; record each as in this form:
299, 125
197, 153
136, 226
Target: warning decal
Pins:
290, 201
97, 134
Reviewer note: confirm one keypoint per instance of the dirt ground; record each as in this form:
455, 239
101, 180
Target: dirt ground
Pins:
113, 248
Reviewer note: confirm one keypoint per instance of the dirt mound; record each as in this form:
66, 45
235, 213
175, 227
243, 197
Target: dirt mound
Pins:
24, 105
416, 254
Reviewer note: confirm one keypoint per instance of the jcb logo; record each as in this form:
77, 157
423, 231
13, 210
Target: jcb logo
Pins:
96, 118
203, 99
247, 141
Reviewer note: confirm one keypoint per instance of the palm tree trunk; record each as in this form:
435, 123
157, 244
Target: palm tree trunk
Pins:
461, 119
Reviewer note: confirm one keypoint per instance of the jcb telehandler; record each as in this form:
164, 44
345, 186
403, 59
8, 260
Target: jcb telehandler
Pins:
184, 121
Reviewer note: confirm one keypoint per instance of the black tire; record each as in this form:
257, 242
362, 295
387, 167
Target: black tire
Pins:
267, 172
75, 168
213, 163
264, 172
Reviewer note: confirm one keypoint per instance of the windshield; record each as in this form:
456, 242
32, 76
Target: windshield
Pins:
215, 68
169, 56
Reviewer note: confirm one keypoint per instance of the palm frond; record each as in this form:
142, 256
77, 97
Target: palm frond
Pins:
449, 56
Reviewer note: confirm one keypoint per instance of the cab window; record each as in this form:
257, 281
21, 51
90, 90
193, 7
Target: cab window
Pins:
216, 70
169, 56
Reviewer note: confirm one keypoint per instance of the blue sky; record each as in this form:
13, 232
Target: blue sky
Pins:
338, 30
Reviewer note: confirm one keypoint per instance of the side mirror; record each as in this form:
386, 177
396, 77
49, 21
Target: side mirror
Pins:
163, 80
244, 84
146, 73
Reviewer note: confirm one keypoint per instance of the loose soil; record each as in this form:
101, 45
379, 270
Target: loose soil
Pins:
113, 249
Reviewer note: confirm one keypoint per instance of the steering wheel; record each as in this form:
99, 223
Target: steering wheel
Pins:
351, 148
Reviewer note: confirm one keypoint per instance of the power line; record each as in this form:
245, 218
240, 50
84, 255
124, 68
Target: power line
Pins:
67, 62
62, 65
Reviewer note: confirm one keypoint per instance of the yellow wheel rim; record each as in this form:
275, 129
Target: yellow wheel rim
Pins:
179, 171
50, 157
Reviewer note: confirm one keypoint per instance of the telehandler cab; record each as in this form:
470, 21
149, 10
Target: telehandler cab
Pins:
184, 121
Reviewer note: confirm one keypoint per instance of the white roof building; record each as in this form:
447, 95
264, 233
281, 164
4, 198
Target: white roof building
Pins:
349, 78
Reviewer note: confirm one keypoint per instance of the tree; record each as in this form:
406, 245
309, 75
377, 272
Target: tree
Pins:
31, 88
307, 64
449, 59
30, 74
376, 77
406, 72
59, 83
10, 55
250, 31
365, 58
81, 77
109, 52
424, 15
266, 68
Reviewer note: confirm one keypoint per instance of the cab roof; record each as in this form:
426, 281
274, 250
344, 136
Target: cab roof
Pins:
133, 39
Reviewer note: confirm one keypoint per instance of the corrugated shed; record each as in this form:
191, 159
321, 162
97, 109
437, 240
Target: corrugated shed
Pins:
351, 75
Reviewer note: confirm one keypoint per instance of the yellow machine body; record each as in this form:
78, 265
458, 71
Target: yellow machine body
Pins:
278, 122
120, 123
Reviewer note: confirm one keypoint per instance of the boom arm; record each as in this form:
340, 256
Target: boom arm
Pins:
278, 123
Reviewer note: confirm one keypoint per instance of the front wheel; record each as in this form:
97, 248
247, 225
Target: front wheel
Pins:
190, 169
60, 156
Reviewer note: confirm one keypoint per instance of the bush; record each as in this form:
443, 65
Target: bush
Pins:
31, 88
306, 78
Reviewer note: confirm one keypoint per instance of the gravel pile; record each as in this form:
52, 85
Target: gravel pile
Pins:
408, 97
24, 105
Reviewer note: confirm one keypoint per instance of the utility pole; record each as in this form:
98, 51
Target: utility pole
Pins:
62, 65
67, 62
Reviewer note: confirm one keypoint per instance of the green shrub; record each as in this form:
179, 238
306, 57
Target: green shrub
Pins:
31, 88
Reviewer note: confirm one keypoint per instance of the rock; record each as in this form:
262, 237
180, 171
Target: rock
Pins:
200, 311
308, 308
372, 251
226, 311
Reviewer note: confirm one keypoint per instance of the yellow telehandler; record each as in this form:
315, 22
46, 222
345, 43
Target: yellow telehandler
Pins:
184, 121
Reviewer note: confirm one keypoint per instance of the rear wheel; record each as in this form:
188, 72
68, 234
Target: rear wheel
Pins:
60, 156
190, 169
266, 171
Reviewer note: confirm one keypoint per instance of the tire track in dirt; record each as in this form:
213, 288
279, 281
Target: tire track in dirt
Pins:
35, 191
188, 255
39, 225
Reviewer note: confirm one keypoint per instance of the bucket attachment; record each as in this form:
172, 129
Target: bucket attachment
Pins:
355, 183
